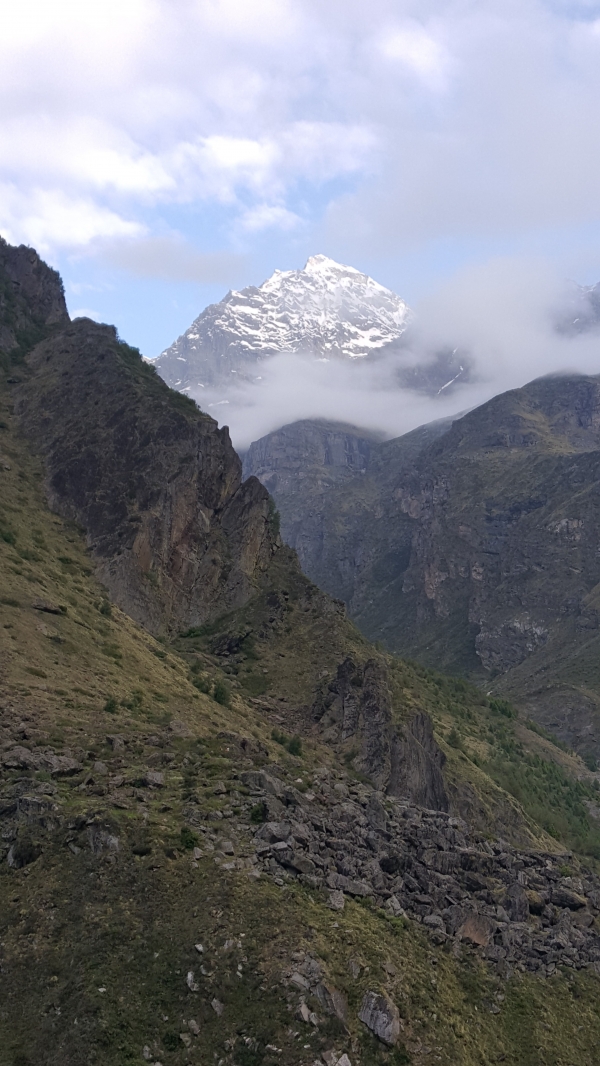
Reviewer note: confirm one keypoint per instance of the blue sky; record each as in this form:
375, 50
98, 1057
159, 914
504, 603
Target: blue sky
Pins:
159, 152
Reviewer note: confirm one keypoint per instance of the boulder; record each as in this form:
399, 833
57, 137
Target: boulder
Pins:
336, 900
564, 897
478, 929
381, 1016
517, 903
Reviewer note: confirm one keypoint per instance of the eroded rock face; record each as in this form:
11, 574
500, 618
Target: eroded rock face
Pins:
177, 536
402, 760
31, 297
416, 765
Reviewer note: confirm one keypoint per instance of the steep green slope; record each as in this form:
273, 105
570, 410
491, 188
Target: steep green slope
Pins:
195, 863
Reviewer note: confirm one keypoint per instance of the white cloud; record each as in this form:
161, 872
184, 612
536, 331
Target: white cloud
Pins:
454, 119
86, 312
48, 219
269, 216
419, 51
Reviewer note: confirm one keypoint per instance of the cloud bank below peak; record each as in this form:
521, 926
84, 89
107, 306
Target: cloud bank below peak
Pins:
503, 318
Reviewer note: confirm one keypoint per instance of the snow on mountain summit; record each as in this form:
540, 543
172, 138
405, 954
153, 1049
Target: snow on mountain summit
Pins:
326, 310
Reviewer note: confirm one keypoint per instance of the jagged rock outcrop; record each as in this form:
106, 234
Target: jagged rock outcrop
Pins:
400, 758
177, 536
32, 298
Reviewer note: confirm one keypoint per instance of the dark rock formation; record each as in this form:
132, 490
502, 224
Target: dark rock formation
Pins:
416, 764
401, 758
177, 536
31, 298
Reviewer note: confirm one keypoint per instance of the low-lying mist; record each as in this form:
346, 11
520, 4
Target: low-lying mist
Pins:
507, 319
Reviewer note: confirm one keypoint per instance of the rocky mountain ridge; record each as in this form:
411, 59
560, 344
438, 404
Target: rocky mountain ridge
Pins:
469, 545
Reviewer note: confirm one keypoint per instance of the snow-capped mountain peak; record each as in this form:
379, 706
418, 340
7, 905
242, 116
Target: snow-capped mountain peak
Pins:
326, 310
322, 264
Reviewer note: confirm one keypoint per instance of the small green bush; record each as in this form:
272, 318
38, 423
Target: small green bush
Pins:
295, 746
291, 744
189, 840
259, 813
111, 705
502, 707
455, 739
221, 694
135, 702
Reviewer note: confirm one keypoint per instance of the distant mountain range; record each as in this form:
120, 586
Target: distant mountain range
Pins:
470, 545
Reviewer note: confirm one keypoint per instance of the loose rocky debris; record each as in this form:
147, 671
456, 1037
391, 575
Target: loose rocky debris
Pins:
21, 758
524, 909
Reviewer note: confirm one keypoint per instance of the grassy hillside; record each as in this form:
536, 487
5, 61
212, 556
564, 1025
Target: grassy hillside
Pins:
144, 915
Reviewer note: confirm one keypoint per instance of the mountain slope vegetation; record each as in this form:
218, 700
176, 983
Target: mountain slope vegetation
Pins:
212, 841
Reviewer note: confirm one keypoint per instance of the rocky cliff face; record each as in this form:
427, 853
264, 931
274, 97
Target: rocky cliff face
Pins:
177, 536
476, 551
315, 449
401, 760
334, 488
31, 298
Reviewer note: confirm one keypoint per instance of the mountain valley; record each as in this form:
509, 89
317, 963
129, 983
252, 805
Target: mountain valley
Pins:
233, 829
482, 558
